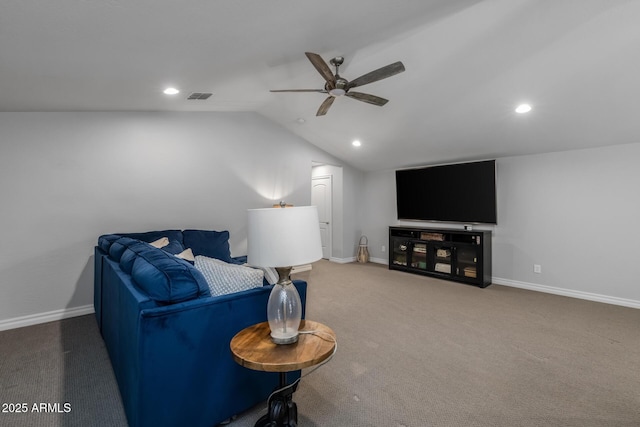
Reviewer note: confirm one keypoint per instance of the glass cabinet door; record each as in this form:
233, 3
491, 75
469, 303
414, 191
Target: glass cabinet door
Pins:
400, 252
467, 261
419, 256
442, 258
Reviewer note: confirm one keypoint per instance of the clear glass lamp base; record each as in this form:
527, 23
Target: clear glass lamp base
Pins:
284, 310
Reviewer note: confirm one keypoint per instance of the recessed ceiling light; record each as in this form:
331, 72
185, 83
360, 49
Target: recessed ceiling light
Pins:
356, 143
171, 91
523, 108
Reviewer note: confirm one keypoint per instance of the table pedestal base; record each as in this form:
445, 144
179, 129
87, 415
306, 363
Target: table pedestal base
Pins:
283, 411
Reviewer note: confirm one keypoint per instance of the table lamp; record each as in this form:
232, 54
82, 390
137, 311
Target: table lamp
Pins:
283, 238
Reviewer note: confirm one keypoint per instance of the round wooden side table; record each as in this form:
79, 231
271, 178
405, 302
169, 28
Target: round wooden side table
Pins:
252, 348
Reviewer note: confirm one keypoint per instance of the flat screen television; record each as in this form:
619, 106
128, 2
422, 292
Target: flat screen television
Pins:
462, 192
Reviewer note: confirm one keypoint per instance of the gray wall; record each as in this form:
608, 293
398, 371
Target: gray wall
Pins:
66, 178
575, 213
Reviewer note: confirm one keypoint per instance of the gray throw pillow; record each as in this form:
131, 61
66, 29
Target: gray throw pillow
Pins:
224, 278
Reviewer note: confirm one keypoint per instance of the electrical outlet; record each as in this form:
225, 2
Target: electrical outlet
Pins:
384, 248
537, 268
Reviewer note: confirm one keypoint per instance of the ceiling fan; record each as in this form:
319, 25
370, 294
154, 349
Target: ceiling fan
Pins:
337, 85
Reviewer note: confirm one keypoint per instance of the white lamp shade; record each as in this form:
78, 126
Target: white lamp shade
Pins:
283, 237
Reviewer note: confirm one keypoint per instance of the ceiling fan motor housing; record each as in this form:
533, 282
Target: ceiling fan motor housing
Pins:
340, 87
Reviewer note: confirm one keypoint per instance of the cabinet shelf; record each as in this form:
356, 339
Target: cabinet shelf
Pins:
459, 255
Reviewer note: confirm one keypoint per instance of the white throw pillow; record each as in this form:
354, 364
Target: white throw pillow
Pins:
224, 278
160, 243
187, 255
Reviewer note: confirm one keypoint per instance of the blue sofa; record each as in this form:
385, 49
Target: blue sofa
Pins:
167, 338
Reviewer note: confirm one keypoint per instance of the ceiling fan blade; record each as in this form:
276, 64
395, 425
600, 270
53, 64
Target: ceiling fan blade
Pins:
365, 97
298, 90
324, 107
322, 68
379, 74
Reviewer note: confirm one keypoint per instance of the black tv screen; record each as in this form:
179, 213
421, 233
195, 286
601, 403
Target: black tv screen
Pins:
462, 192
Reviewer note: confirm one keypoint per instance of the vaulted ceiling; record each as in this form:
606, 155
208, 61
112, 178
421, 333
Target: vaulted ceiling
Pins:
468, 63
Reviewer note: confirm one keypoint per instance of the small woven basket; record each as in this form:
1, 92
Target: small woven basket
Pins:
363, 251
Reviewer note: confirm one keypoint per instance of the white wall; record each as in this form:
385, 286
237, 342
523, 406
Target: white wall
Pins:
574, 213
354, 209
66, 178
379, 203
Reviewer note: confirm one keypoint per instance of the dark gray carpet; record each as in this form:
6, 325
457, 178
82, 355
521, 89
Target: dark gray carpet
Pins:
48, 365
412, 351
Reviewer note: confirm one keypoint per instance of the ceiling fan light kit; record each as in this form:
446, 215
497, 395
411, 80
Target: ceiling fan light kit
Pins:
523, 108
337, 86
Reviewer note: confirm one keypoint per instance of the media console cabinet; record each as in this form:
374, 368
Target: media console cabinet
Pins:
460, 255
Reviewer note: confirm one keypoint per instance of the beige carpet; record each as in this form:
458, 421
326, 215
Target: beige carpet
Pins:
414, 351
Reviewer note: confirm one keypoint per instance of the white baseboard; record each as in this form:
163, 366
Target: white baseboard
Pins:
300, 268
35, 319
552, 290
342, 260
353, 259
567, 292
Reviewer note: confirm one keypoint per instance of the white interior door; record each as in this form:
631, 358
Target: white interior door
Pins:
321, 198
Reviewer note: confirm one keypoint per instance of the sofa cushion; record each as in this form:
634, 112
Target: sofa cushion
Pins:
224, 278
174, 238
118, 247
150, 236
212, 244
174, 247
134, 249
167, 279
105, 241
